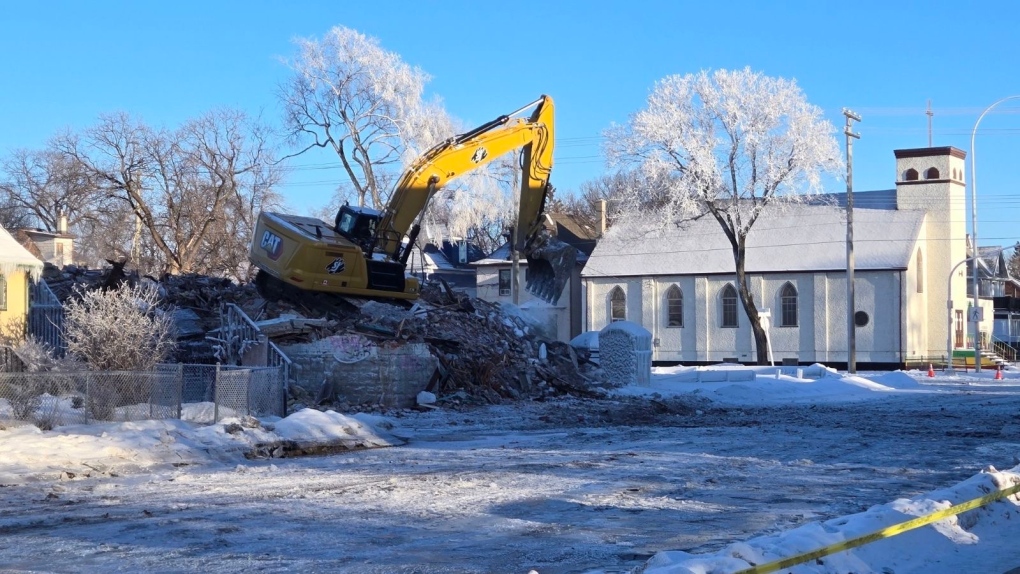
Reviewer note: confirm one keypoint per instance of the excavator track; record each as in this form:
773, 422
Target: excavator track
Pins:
309, 303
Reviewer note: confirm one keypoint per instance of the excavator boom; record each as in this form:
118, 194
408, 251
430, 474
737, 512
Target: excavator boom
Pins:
550, 261
364, 252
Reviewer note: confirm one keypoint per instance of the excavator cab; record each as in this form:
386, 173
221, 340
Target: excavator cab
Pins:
357, 225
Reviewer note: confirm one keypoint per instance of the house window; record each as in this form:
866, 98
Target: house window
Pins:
931, 173
729, 306
788, 305
674, 307
920, 272
617, 305
910, 175
3, 293
504, 281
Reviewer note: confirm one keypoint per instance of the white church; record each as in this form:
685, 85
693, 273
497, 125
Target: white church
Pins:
680, 285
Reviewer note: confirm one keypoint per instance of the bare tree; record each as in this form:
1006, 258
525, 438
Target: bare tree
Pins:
12, 214
350, 95
193, 193
105, 231
727, 145
48, 185
613, 188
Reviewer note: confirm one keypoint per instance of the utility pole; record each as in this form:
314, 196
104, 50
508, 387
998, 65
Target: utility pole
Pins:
929, 113
515, 266
851, 328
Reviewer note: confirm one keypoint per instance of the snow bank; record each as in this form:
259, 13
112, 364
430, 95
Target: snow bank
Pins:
29, 454
774, 385
949, 542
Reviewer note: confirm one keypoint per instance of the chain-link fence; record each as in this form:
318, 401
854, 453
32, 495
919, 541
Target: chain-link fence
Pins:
169, 391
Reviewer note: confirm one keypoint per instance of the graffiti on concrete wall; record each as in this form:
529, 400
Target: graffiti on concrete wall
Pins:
351, 348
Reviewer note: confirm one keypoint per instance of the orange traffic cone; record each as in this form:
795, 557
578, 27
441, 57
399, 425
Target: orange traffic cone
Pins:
931, 370
998, 373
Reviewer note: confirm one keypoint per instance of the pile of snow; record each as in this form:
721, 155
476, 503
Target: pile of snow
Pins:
951, 543
774, 385
30, 454
311, 427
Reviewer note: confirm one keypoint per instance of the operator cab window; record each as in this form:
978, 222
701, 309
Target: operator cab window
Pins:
346, 223
365, 227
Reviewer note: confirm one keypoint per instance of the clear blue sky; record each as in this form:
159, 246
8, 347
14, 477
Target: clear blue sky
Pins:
63, 64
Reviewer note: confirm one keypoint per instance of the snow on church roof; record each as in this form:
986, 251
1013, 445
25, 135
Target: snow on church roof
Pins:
798, 238
14, 257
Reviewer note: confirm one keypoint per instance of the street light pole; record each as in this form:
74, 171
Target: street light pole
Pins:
976, 311
949, 325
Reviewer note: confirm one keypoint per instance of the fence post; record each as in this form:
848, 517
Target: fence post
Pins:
284, 374
247, 392
216, 398
180, 389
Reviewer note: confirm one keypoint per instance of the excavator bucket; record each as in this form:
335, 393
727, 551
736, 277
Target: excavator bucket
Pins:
550, 264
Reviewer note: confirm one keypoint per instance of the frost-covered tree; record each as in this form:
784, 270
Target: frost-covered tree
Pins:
727, 145
482, 204
350, 95
119, 329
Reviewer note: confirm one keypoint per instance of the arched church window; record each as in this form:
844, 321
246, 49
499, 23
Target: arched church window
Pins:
617, 305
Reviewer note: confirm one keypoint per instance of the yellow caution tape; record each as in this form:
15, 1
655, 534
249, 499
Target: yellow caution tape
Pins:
887, 532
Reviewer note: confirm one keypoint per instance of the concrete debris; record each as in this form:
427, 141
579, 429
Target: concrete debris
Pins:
484, 355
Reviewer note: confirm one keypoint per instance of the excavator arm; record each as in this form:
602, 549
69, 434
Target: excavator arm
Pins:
550, 261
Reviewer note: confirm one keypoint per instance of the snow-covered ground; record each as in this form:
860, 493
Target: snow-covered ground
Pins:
682, 476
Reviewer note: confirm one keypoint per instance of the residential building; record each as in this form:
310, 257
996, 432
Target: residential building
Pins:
561, 320
996, 285
680, 283
448, 259
18, 268
56, 247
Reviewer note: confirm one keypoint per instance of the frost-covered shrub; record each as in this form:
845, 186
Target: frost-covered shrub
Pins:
38, 357
35, 394
23, 399
119, 329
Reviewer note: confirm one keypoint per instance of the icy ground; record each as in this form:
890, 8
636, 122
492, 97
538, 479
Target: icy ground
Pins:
679, 481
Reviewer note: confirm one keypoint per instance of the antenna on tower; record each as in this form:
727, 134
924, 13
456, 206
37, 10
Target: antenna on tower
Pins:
929, 113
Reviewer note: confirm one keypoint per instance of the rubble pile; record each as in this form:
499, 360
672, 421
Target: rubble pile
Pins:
200, 293
485, 355
197, 300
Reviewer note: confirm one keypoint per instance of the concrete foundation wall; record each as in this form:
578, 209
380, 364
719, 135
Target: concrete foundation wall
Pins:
362, 371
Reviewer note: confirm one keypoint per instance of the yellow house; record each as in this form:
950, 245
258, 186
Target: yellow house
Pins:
17, 268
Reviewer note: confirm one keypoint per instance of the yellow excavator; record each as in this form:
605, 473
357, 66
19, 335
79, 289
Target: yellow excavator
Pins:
365, 251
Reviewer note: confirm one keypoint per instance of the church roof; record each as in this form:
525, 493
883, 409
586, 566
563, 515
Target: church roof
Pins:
799, 238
